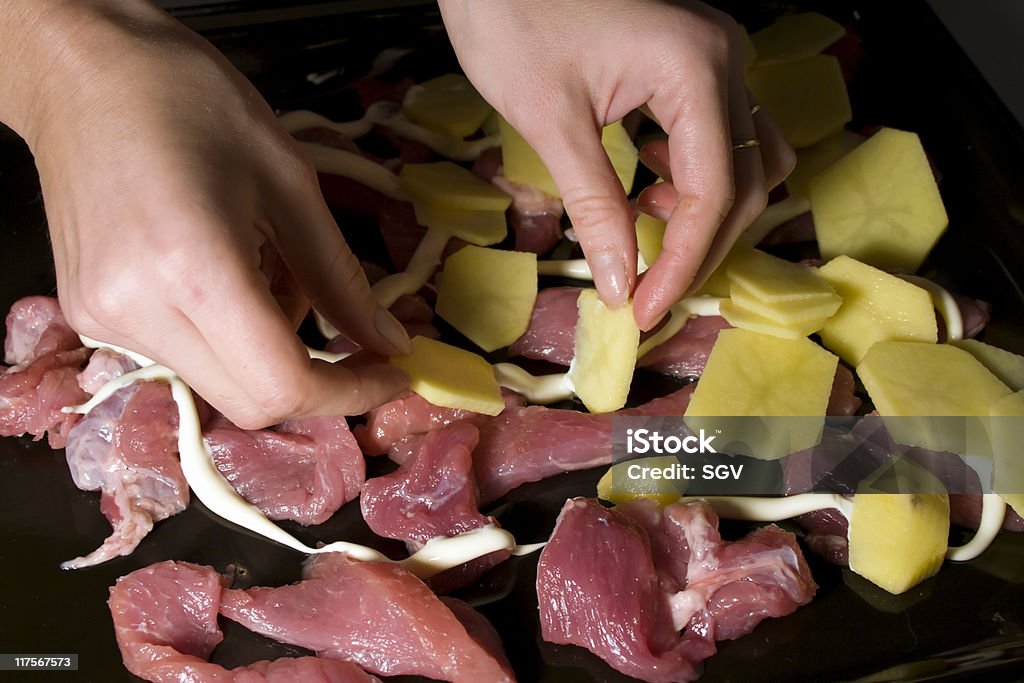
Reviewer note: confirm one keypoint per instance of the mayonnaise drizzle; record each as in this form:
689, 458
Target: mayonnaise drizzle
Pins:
775, 509
351, 165
302, 119
424, 261
772, 217
944, 302
541, 389
216, 493
388, 114
679, 313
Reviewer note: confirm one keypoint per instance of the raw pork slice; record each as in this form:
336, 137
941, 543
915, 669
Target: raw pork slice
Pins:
536, 218
624, 582
302, 470
409, 415
432, 494
686, 353
598, 588
165, 621
529, 444
127, 448
45, 355
104, 365
551, 333
375, 614
36, 327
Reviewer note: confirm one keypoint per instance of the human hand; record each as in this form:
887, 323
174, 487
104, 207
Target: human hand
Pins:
187, 226
560, 71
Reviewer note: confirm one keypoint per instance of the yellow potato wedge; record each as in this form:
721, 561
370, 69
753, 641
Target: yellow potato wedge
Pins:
605, 354
451, 377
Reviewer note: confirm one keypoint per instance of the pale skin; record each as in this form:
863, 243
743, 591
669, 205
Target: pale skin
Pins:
186, 224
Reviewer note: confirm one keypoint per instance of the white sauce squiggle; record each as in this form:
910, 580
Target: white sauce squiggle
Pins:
944, 302
216, 493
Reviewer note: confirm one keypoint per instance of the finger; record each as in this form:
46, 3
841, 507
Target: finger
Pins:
330, 275
593, 197
254, 343
701, 171
655, 156
777, 157
748, 173
283, 286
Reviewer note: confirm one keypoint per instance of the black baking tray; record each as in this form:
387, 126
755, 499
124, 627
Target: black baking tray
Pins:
967, 623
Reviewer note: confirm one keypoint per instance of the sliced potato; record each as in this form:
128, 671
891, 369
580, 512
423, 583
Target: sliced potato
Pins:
605, 355
451, 377
446, 184
898, 540
807, 98
876, 307
795, 37
811, 161
739, 316
752, 375
1006, 424
649, 235
522, 165
1007, 366
448, 104
774, 280
488, 294
626, 481
791, 313
918, 384
879, 203
480, 227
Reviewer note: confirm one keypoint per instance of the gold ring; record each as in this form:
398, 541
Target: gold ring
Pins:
756, 108
745, 144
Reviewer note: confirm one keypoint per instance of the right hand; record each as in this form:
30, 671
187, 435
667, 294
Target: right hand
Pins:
187, 225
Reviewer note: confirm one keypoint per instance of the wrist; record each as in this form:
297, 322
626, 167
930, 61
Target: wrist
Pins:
49, 49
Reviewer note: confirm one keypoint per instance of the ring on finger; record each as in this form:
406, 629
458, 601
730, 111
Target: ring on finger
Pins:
745, 144
756, 108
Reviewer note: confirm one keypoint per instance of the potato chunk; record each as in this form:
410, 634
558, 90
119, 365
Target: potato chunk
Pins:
488, 294
448, 185
876, 307
807, 98
480, 227
919, 383
605, 355
1006, 424
756, 375
795, 37
811, 161
898, 540
522, 165
791, 313
879, 203
450, 377
742, 317
618, 486
774, 280
1007, 366
448, 104
650, 232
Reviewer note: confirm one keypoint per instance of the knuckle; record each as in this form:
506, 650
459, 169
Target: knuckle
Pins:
282, 399
593, 212
107, 301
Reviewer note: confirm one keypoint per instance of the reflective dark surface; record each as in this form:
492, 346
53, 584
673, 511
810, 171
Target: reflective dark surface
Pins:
967, 623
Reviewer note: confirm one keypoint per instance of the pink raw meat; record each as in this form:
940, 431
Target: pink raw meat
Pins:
624, 582
686, 353
375, 614
536, 218
104, 365
842, 402
302, 470
432, 494
598, 588
127, 448
552, 330
165, 622
31, 398
407, 415
45, 356
529, 444
36, 327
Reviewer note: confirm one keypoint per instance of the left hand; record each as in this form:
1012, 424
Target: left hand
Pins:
560, 71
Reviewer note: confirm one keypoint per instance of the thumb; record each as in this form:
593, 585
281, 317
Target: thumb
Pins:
594, 199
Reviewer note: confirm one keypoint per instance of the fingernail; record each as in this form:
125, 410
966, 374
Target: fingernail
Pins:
388, 327
609, 270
